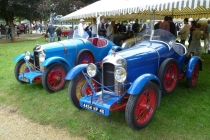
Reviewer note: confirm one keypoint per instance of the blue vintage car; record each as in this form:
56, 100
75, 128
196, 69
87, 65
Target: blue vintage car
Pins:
49, 63
134, 79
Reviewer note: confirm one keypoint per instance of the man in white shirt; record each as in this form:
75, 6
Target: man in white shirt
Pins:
110, 31
81, 27
93, 28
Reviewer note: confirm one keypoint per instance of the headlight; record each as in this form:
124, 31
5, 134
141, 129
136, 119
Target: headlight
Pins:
91, 70
27, 55
120, 74
41, 56
121, 61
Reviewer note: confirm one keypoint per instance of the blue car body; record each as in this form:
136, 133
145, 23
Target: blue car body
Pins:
156, 61
68, 53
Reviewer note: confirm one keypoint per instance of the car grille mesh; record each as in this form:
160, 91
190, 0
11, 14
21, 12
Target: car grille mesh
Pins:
108, 75
36, 61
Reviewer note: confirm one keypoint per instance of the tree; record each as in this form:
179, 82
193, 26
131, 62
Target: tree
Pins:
9, 9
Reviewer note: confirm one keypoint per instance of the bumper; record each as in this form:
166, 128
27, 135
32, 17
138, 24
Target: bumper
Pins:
29, 76
99, 103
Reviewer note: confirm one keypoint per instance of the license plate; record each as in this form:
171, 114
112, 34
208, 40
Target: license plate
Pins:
94, 108
25, 79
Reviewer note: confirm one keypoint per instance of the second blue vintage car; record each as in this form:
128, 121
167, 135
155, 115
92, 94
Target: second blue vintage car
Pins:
134, 79
49, 63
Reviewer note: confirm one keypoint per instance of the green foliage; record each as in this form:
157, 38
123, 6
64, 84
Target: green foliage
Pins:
182, 115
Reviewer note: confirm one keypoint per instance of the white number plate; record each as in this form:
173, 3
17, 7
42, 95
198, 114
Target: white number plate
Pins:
94, 108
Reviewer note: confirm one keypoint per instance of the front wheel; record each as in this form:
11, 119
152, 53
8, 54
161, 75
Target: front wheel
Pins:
141, 108
53, 78
79, 87
21, 68
191, 82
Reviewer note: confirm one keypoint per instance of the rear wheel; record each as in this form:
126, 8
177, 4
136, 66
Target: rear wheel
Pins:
141, 108
21, 68
53, 78
85, 57
168, 74
79, 87
191, 82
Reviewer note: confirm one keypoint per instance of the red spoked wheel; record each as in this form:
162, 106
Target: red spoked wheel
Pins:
170, 77
141, 108
54, 77
168, 74
79, 87
21, 68
85, 57
191, 82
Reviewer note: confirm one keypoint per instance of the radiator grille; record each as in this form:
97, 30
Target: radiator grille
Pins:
36, 61
108, 75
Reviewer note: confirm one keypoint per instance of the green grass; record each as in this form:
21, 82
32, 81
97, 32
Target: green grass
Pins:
182, 115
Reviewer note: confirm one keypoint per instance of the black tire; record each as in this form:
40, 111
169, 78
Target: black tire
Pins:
120, 42
191, 82
21, 67
78, 88
168, 74
84, 57
142, 105
53, 78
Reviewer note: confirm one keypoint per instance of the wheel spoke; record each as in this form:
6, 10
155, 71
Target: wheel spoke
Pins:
56, 77
145, 106
170, 77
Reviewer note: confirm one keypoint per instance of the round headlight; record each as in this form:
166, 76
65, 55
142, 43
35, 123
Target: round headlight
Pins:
120, 75
91, 70
41, 57
27, 55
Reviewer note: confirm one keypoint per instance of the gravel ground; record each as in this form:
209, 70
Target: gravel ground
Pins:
14, 126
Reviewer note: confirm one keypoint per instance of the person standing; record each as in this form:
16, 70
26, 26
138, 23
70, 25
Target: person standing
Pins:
93, 28
0, 31
81, 27
208, 49
184, 32
102, 28
110, 31
193, 25
195, 45
144, 27
21, 28
206, 37
157, 25
136, 26
50, 30
7, 28
165, 25
18, 31
58, 32
40, 28
172, 26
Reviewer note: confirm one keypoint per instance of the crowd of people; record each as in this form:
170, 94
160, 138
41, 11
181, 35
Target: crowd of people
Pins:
20, 29
191, 31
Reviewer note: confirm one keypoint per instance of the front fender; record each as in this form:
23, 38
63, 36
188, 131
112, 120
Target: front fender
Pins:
73, 72
51, 60
19, 57
191, 64
140, 82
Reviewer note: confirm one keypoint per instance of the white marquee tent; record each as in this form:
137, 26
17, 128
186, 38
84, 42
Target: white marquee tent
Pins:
131, 9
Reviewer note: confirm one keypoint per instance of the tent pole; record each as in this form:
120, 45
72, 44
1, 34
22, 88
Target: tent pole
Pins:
153, 20
97, 23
